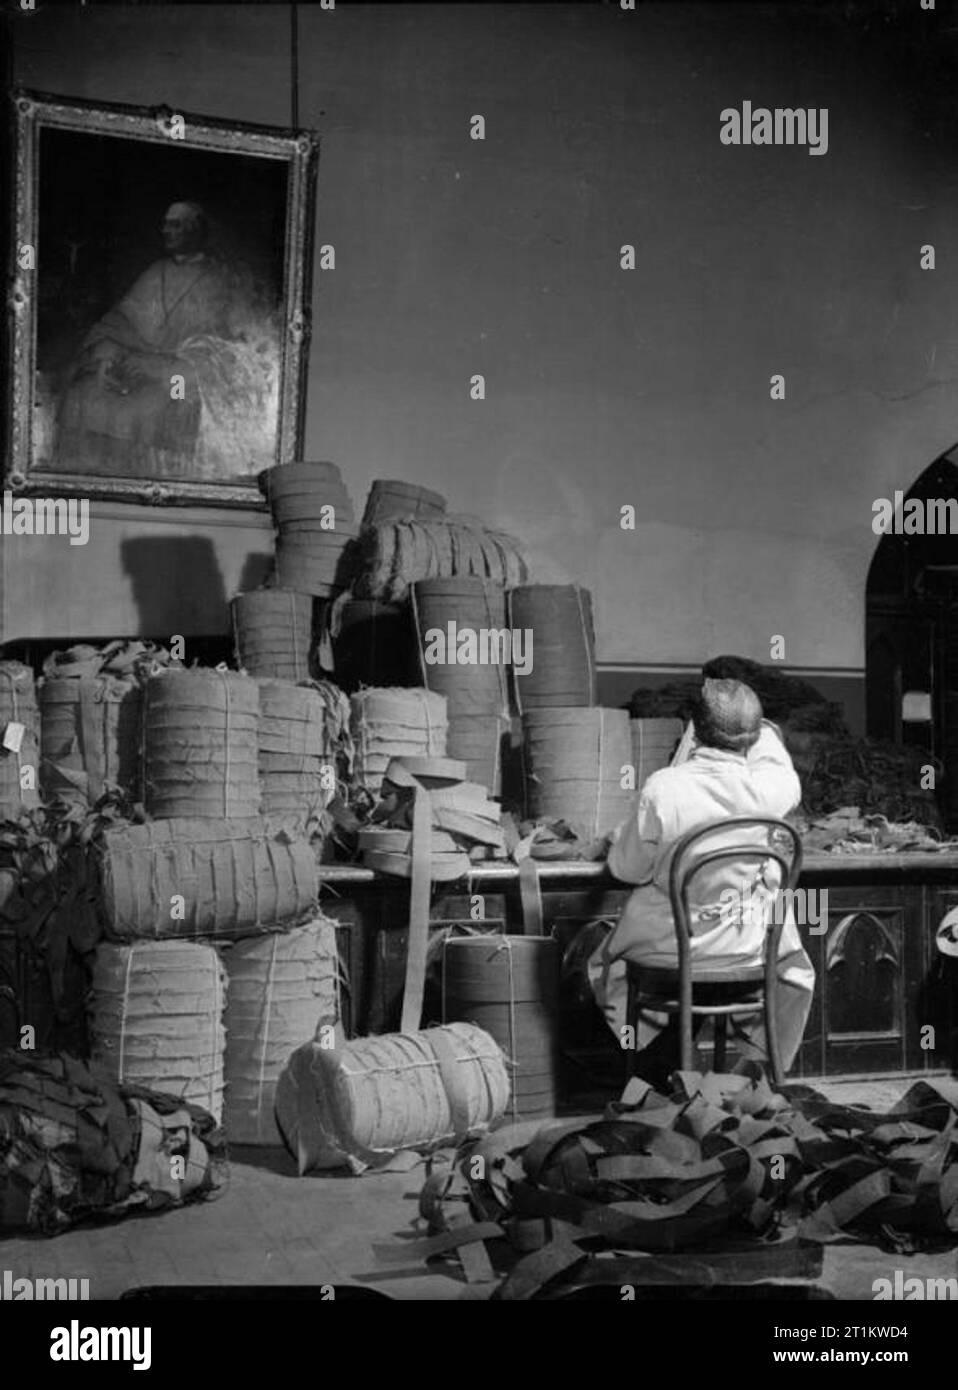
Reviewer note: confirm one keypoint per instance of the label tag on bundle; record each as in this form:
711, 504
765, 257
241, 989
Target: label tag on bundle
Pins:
324, 653
13, 736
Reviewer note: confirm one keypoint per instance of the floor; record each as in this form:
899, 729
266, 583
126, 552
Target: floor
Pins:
272, 1227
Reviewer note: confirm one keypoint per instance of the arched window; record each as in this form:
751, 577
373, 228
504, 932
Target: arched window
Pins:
911, 626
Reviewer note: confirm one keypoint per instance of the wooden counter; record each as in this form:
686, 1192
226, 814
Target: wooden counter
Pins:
885, 1000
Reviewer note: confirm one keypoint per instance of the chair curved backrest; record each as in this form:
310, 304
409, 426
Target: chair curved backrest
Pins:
685, 866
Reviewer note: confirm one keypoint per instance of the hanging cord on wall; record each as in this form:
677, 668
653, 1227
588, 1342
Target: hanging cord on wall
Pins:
294, 66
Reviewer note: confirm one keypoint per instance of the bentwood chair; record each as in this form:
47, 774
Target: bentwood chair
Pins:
683, 991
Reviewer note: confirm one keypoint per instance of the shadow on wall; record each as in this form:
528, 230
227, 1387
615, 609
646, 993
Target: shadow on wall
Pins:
256, 568
178, 584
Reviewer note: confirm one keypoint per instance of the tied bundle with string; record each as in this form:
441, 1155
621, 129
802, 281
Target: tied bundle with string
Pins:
90, 719
475, 683
392, 556
394, 723
559, 617
390, 500
156, 1018
75, 1147
304, 742
314, 521
359, 1105
202, 877
572, 762
200, 750
273, 633
509, 987
283, 990
19, 728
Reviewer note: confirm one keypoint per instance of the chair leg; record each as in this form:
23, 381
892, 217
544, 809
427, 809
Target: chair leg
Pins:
720, 1029
687, 1041
771, 1033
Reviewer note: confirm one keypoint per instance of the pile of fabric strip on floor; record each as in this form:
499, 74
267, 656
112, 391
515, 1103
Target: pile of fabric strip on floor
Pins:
74, 1146
723, 1181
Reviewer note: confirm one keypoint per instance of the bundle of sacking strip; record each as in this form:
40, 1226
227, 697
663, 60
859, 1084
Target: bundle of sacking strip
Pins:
273, 631
358, 1105
200, 744
156, 1018
394, 555
572, 767
90, 733
314, 520
300, 732
449, 612
204, 878
283, 990
395, 723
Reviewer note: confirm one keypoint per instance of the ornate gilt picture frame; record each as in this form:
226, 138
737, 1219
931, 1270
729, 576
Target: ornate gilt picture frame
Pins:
159, 302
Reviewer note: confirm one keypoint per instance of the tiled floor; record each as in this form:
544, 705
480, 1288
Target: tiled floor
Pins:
272, 1227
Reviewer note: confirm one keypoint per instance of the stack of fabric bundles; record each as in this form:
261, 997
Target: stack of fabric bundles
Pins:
573, 764
273, 632
562, 674
465, 657
200, 744
301, 728
314, 520
283, 990
90, 715
156, 1018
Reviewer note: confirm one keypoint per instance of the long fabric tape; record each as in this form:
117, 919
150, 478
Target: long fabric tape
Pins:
419, 894
226, 770
93, 738
266, 1023
530, 897
123, 1010
506, 945
215, 1026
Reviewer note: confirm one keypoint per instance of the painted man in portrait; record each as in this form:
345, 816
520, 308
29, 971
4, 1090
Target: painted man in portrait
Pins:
179, 378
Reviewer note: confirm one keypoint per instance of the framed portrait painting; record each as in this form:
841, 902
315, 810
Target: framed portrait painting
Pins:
160, 302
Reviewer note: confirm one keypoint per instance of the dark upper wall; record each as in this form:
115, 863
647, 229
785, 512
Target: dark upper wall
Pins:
603, 387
